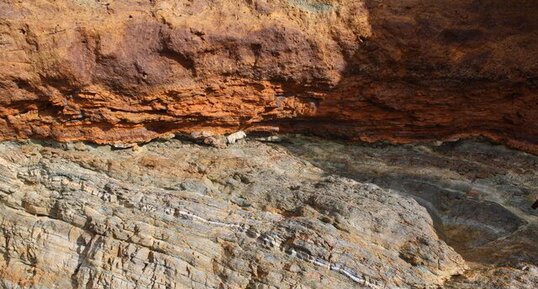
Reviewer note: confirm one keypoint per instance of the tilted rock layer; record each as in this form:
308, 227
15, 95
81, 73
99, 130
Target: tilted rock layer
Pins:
178, 215
130, 71
174, 215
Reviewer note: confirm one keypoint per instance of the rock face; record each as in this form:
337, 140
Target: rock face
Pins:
174, 215
479, 196
130, 71
306, 213
178, 215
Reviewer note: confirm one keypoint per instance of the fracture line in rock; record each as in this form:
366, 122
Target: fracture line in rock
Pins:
333, 267
301, 255
195, 217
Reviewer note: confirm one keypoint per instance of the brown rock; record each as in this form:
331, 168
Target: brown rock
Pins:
401, 71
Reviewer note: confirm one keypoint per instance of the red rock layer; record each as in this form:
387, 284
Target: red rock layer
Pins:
402, 71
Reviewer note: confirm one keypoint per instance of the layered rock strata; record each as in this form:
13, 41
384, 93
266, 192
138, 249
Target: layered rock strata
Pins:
130, 71
480, 198
179, 215
175, 215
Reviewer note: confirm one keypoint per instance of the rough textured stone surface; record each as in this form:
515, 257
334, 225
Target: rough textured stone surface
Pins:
130, 71
183, 216
252, 215
479, 196
305, 213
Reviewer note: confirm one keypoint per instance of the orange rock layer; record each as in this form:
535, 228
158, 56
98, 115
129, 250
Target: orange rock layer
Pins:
400, 71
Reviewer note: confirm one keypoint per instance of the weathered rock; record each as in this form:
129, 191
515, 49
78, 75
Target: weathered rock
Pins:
234, 137
250, 215
131, 71
179, 215
479, 196
503, 277
174, 215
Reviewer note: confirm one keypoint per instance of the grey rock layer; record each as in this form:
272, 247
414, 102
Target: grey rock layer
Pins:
179, 215
183, 216
479, 195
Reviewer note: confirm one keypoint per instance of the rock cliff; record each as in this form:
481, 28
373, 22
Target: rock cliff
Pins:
130, 71
252, 213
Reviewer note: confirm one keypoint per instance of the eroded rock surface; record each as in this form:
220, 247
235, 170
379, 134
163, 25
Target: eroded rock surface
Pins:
479, 196
174, 215
130, 71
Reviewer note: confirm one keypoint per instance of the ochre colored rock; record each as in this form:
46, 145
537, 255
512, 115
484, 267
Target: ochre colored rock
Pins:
130, 71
